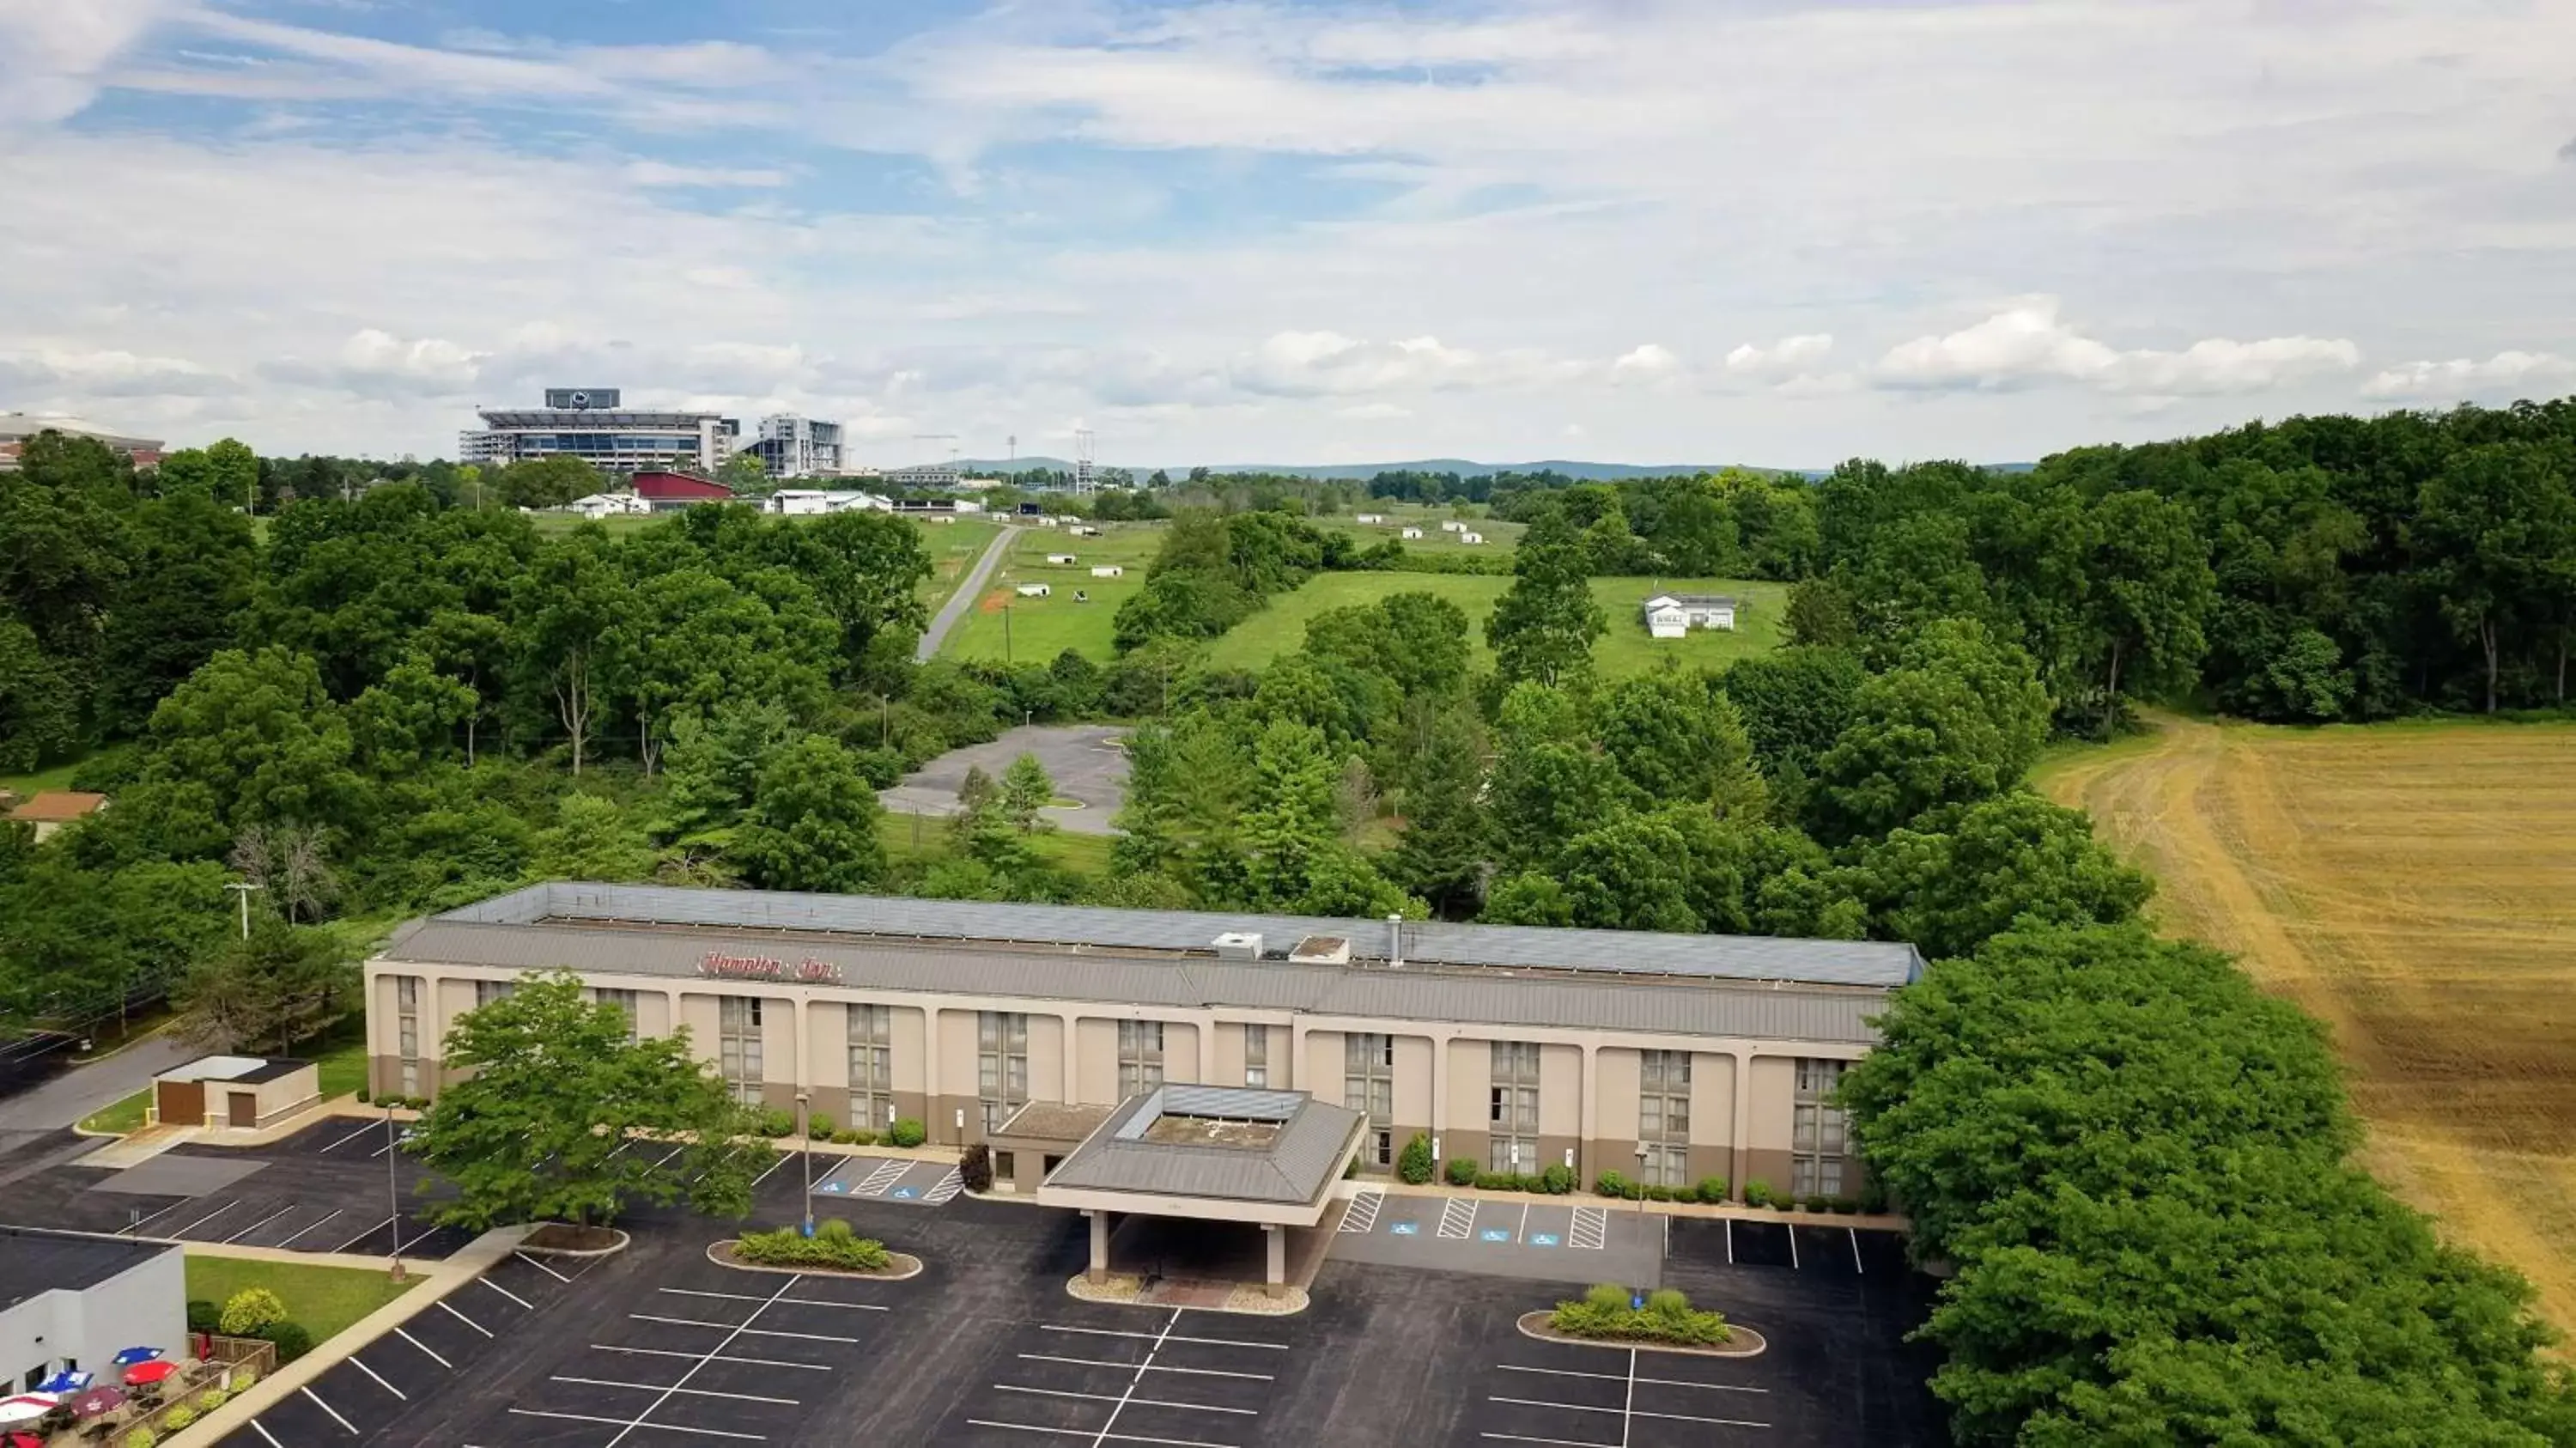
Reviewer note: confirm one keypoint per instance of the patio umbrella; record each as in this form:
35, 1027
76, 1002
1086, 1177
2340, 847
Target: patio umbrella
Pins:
151, 1372
128, 1357
26, 1407
65, 1382
95, 1402
25, 1440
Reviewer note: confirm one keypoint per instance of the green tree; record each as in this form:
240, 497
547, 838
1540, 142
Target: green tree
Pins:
2149, 596
1794, 703
1678, 740
1026, 790
284, 984
562, 612
713, 767
1447, 848
747, 476
2497, 524
194, 565
550, 1097
260, 736
1543, 627
1961, 874
1820, 615
408, 719
813, 822
593, 839
40, 704
1291, 822
1960, 719
547, 482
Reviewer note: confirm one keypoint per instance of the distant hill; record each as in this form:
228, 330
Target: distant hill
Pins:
1362, 472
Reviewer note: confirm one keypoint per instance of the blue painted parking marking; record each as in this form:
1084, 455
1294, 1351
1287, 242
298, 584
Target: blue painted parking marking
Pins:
1406, 1229
905, 1193
1542, 1239
1496, 1234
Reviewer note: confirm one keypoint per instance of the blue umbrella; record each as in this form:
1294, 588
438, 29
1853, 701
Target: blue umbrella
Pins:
132, 1355
64, 1382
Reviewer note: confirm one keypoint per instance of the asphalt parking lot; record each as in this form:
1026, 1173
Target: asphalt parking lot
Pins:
890, 1178
1116, 1375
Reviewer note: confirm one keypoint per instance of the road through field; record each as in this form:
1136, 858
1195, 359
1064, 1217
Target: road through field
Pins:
964, 598
2415, 888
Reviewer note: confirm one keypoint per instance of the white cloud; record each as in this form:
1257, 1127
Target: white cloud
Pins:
1648, 362
110, 374
1789, 357
1322, 364
2506, 374
1374, 412
2028, 345
657, 173
52, 52
376, 364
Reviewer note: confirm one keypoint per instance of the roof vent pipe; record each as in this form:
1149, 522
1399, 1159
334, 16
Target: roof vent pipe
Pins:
1395, 941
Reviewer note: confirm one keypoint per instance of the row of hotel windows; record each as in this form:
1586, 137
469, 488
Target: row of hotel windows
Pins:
1819, 1140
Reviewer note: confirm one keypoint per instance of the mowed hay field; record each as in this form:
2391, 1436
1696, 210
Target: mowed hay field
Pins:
2414, 886
953, 548
1624, 650
1034, 630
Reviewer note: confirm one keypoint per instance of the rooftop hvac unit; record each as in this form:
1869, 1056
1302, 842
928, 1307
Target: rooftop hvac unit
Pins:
1239, 945
1321, 950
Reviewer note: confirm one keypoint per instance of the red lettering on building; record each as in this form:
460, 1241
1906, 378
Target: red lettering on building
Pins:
769, 967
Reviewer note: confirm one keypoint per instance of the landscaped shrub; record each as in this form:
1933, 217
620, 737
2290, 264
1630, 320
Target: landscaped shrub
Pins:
1611, 1184
243, 1377
832, 1245
1712, 1189
291, 1339
1757, 1193
1667, 1317
1842, 1204
776, 1123
908, 1133
249, 1310
975, 1165
178, 1417
1415, 1164
139, 1438
1462, 1171
362, 1095
204, 1316
854, 1136
818, 1128
1557, 1180
211, 1399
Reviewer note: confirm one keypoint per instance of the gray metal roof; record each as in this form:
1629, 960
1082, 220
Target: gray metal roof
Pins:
1464, 995
1294, 1169
1625, 952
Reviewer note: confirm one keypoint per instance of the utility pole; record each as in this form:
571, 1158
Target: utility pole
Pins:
393, 1188
243, 889
805, 1134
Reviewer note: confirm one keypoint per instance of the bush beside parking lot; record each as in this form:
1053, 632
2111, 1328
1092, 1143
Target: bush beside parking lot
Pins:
1605, 1313
832, 1245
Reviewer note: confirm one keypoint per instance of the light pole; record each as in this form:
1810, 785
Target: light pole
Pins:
243, 888
805, 1134
393, 1189
1652, 1245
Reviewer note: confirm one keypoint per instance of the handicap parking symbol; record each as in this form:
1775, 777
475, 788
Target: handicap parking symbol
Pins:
834, 1187
1542, 1239
1497, 1234
1406, 1229
905, 1193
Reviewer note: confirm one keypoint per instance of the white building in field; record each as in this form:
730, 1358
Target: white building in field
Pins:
1035, 590
1452, 525
1411, 533
1368, 517
1671, 615
606, 505
1465, 537
1061, 560
1107, 570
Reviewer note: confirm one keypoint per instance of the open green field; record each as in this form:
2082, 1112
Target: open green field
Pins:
324, 1299
1003, 625
953, 549
58, 777
1624, 650
923, 839
1500, 537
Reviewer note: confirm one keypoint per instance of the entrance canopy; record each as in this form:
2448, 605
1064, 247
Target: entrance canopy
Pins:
1224, 1153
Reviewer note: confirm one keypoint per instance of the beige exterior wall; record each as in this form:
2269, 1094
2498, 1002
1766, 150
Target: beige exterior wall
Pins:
1441, 1077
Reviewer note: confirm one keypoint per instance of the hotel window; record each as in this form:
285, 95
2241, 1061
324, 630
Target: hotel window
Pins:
624, 1000
1256, 1055
488, 991
871, 1067
407, 1031
1368, 1084
738, 1047
1818, 1131
1663, 1117
1140, 1057
1002, 1075
1512, 1115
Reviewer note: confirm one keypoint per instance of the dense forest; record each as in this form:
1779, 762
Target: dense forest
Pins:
396, 698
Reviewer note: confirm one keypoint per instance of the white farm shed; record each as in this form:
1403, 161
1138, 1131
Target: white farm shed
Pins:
1412, 533
1060, 558
1107, 570
1671, 615
1452, 525
1465, 537
1368, 517
1034, 590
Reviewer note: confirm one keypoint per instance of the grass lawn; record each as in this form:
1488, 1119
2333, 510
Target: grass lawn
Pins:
324, 1299
123, 1117
1500, 537
1625, 650
58, 777
1035, 630
953, 548
1065, 850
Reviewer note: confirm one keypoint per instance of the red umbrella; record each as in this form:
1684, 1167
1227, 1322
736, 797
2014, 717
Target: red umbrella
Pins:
94, 1402
151, 1372
25, 1440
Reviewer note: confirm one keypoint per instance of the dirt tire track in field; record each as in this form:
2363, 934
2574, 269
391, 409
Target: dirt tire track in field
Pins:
2216, 814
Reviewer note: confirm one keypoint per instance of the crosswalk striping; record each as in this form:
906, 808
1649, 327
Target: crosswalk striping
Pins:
1362, 1215
1591, 1227
1457, 1218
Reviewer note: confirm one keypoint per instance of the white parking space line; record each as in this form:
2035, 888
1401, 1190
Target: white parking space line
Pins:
1457, 1219
1141, 1368
371, 1231
1630, 1412
1161, 1337
1857, 1269
1730, 1240
399, 1395
1099, 1437
1591, 1228
1139, 1402
208, 1217
425, 1234
729, 1327
880, 1179
621, 1149
745, 1326
264, 1433
540, 1266
1550, 1442
311, 1227
948, 1186
282, 1211
688, 1392
773, 1167
334, 1412
506, 1292
425, 1348
137, 1228
352, 1136
626, 1426
666, 1156
1520, 1233
788, 1301
709, 1357
461, 1317
1622, 1377
1793, 1249
1042, 1357
1362, 1213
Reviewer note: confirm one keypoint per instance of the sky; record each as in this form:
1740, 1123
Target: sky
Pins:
1779, 232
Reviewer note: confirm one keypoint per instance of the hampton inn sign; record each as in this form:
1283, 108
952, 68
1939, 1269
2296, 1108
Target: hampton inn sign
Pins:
769, 967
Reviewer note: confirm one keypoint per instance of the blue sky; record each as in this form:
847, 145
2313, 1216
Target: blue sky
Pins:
1640, 230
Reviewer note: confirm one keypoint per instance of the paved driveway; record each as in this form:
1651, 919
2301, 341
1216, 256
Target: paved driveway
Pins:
1080, 758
